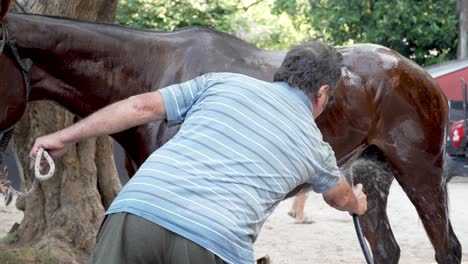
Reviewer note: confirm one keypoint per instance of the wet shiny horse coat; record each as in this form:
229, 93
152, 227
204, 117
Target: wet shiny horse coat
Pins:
384, 102
12, 92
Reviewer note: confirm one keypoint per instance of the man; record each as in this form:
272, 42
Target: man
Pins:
243, 145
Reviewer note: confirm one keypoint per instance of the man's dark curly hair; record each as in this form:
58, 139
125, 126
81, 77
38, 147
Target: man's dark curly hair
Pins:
310, 65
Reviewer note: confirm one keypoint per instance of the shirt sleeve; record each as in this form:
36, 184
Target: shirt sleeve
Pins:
327, 174
179, 98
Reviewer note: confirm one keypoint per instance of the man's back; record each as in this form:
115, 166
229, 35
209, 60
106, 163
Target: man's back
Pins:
243, 145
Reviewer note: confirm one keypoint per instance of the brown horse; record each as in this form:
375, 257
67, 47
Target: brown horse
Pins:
13, 93
384, 102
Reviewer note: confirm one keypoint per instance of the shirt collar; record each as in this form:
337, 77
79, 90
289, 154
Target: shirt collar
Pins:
298, 93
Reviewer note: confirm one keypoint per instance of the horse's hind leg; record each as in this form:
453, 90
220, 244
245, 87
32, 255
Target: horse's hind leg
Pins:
420, 176
373, 173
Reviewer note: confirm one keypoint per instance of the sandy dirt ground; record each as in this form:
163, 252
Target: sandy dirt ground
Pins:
332, 238
8, 216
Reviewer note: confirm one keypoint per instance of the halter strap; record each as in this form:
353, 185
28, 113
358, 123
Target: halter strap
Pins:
4, 140
24, 66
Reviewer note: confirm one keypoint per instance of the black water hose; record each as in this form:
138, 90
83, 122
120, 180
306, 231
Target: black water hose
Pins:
362, 241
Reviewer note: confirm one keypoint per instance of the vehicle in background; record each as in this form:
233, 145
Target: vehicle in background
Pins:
451, 77
456, 161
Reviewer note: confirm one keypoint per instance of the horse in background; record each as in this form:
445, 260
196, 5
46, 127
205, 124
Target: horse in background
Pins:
384, 102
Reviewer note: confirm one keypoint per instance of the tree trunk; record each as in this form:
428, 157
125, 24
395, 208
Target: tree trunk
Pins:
462, 10
63, 214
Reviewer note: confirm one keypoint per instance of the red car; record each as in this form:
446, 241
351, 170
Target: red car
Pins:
456, 160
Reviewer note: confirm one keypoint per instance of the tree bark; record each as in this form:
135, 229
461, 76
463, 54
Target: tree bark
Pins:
462, 10
63, 214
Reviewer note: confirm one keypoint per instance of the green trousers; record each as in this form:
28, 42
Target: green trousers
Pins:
129, 239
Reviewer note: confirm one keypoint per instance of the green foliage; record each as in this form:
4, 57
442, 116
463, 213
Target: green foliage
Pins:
249, 20
425, 31
169, 15
259, 26
11, 238
25, 255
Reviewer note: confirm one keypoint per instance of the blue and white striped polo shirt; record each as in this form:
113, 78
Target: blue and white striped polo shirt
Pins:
242, 146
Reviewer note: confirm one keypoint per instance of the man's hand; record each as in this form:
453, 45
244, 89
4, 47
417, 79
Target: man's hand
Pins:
51, 143
361, 198
346, 198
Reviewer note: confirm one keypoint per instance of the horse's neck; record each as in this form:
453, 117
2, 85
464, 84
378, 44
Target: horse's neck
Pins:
85, 66
81, 66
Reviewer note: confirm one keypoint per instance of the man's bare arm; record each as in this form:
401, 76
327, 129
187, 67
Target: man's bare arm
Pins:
134, 111
344, 198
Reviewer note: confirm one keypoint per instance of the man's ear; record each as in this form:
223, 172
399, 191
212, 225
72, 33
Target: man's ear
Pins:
323, 90
321, 98
320, 101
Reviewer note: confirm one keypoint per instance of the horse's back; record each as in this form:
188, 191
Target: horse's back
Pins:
202, 50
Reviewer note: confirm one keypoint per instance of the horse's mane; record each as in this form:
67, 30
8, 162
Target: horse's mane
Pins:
189, 29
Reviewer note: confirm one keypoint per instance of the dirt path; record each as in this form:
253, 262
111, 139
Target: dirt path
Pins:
8, 216
332, 238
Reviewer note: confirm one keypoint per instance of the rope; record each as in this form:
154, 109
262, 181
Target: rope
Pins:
37, 165
38, 176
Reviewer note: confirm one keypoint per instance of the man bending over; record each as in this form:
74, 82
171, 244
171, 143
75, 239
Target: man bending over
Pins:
243, 145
